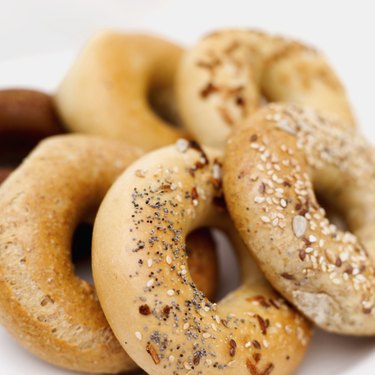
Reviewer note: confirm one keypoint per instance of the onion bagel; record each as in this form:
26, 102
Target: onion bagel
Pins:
226, 75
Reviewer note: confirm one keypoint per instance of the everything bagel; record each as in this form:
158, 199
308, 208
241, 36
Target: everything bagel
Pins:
160, 317
108, 90
273, 167
226, 75
45, 306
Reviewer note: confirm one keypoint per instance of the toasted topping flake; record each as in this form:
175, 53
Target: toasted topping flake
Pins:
232, 348
144, 309
153, 353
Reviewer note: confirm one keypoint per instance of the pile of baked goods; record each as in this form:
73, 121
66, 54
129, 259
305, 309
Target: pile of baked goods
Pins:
241, 132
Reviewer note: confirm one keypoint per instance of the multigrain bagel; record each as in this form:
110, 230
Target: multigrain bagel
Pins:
26, 117
139, 268
225, 76
109, 88
45, 306
273, 167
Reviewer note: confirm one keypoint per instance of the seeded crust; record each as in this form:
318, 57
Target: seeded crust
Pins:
273, 167
139, 264
225, 77
49, 310
107, 90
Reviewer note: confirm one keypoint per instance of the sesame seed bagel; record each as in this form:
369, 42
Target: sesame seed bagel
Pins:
47, 308
139, 268
227, 74
109, 88
274, 166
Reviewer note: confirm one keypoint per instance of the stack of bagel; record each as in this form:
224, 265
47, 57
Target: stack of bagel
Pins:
153, 144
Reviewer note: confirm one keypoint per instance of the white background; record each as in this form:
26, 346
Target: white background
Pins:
39, 38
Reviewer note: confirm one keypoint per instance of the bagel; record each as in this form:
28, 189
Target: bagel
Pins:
44, 305
4, 173
26, 117
226, 75
109, 88
273, 167
251, 331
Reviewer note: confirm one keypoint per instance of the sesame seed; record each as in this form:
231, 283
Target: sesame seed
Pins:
248, 344
265, 219
171, 358
344, 256
299, 225
140, 173
259, 199
170, 292
216, 171
138, 335
182, 145
150, 283
283, 203
149, 262
186, 326
206, 335
168, 259
312, 238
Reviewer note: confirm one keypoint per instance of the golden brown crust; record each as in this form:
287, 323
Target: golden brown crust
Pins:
252, 329
49, 310
225, 77
108, 89
272, 167
43, 304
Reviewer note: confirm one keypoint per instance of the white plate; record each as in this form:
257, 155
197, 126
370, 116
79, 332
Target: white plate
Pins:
328, 354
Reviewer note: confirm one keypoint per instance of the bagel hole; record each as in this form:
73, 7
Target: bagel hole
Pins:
229, 267
227, 275
333, 212
164, 106
81, 251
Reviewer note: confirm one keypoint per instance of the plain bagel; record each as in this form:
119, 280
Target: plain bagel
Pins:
225, 76
273, 167
109, 88
140, 271
45, 306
